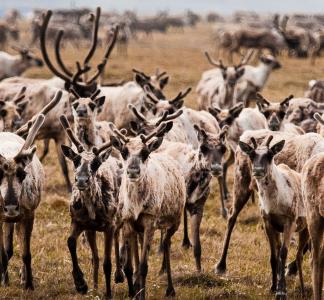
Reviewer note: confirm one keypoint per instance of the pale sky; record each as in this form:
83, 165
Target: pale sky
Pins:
174, 6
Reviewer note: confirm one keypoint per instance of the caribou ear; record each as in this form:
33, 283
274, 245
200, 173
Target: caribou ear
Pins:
71, 155
240, 73
26, 156
214, 112
98, 160
100, 101
140, 80
201, 133
22, 106
246, 148
163, 82
116, 143
154, 145
276, 148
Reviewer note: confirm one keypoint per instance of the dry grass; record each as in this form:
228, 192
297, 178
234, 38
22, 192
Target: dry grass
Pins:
248, 277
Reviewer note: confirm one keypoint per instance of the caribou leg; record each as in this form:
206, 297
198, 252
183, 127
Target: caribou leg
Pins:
8, 230
91, 238
242, 192
58, 142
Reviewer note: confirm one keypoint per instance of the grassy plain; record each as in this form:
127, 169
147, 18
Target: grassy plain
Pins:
248, 276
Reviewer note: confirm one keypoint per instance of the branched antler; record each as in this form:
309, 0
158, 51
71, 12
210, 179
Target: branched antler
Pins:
73, 138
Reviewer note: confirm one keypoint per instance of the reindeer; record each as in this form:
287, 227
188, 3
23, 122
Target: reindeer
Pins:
15, 65
275, 114
116, 109
297, 150
22, 180
39, 93
300, 112
254, 79
316, 91
320, 125
217, 86
196, 166
93, 205
282, 208
11, 111
312, 189
146, 202
88, 130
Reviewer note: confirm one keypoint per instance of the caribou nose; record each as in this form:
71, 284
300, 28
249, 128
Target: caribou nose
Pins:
39, 63
274, 126
216, 169
258, 172
133, 172
11, 210
82, 113
82, 182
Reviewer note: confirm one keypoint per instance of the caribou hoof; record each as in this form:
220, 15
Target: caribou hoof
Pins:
119, 276
292, 269
29, 286
281, 295
220, 269
186, 244
224, 213
170, 292
80, 284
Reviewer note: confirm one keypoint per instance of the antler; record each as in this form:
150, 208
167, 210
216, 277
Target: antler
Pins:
73, 138
318, 118
218, 64
166, 117
181, 95
286, 100
118, 132
158, 131
58, 54
150, 95
32, 133
245, 59
158, 76
137, 114
141, 73
94, 37
95, 94
261, 98
270, 138
255, 145
48, 62
104, 61
46, 109
20, 95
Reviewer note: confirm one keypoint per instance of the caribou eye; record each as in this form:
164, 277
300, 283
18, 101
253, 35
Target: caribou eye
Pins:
3, 113
92, 106
266, 114
222, 149
124, 153
204, 149
281, 114
21, 174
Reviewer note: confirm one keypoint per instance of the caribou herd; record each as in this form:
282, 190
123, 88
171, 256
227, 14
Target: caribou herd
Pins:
142, 161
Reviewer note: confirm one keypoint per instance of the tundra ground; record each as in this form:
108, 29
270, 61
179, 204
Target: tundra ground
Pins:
249, 273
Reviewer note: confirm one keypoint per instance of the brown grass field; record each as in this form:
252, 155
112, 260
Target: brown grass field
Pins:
248, 275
